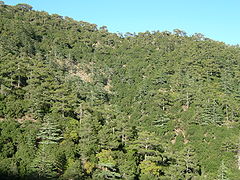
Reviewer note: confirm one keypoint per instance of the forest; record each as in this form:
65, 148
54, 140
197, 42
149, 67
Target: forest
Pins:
79, 102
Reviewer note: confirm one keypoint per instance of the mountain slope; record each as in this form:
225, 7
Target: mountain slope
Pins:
78, 102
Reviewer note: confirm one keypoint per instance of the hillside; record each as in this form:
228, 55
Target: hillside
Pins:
79, 102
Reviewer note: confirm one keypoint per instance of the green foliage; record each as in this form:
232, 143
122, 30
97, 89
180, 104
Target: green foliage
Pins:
49, 134
46, 163
149, 170
107, 165
78, 102
222, 173
73, 170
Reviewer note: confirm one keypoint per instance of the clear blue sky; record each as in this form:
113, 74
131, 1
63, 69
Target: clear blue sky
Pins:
216, 19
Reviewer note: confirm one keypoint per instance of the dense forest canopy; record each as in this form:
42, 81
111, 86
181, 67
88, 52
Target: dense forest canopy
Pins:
78, 102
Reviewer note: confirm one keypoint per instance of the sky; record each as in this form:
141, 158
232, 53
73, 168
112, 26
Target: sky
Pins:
216, 19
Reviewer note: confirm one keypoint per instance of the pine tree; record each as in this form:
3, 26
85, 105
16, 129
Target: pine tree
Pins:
149, 170
147, 145
88, 140
223, 172
49, 133
47, 164
187, 163
107, 165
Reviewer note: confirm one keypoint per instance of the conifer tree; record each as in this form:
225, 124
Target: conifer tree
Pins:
47, 164
147, 145
222, 172
107, 165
